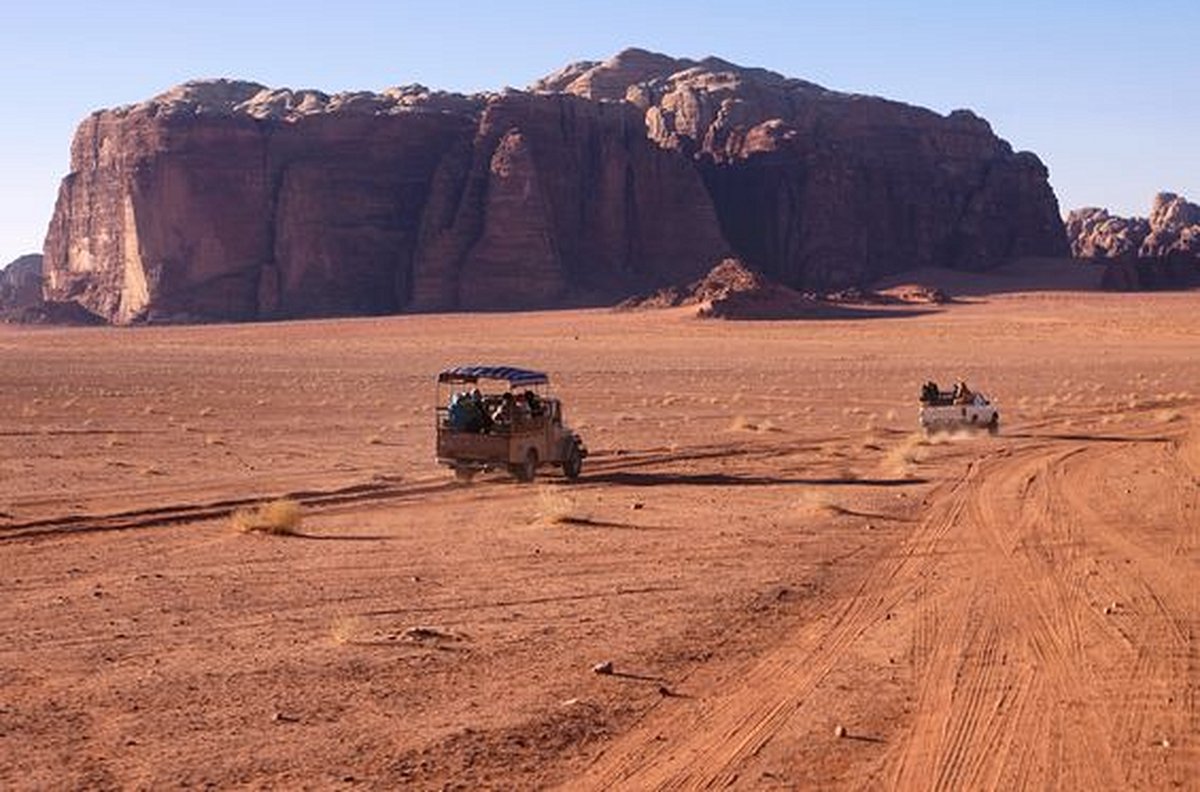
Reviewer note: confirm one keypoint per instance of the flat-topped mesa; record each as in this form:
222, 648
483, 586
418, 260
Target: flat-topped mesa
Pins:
226, 199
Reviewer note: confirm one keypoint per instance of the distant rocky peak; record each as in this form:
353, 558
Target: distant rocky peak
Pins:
1171, 212
1173, 227
611, 79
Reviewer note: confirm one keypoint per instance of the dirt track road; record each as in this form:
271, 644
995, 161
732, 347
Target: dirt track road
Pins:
1051, 617
760, 544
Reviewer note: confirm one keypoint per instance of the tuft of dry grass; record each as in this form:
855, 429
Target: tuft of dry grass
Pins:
558, 506
346, 629
743, 424
819, 503
278, 518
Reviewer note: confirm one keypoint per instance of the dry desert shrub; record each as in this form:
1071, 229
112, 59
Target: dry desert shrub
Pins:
1169, 416
818, 503
213, 440
906, 454
279, 517
558, 506
741, 423
346, 629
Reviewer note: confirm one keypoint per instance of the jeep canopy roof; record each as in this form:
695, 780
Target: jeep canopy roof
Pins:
514, 376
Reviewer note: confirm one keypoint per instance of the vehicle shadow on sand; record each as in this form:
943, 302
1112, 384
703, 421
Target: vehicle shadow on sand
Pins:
643, 479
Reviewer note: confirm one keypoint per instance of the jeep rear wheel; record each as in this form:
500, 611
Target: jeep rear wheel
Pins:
528, 468
573, 463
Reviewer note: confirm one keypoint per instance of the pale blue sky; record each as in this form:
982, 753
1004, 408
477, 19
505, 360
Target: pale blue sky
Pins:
1103, 91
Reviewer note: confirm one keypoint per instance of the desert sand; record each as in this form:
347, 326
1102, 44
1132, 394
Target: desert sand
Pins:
795, 589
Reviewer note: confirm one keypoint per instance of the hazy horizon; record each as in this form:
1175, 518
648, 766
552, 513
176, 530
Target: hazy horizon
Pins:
1096, 92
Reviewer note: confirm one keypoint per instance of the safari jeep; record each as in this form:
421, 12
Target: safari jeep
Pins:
494, 417
959, 409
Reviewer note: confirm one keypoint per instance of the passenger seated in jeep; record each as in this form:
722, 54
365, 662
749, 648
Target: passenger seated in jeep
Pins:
533, 402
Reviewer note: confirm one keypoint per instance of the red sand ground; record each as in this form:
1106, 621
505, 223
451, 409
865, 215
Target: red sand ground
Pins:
761, 545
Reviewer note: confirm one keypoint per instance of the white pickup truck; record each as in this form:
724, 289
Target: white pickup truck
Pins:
945, 411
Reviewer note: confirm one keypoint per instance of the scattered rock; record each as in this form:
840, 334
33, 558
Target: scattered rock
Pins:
603, 668
427, 634
839, 731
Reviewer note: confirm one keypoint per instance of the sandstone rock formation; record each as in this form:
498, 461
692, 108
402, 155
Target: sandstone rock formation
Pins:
1159, 252
21, 282
731, 290
21, 299
821, 189
1172, 228
228, 200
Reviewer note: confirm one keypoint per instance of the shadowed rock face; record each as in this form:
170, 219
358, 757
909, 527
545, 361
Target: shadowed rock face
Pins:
820, 189
21, 282
228, 200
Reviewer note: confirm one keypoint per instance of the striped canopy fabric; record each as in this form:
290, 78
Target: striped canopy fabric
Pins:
515, 377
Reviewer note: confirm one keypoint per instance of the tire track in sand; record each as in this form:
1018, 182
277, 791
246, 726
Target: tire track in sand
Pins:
737, 724
1013, 664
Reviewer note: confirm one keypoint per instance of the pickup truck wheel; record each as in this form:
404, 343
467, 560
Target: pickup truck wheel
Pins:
573, 463
527, 469
994, 425
464, 474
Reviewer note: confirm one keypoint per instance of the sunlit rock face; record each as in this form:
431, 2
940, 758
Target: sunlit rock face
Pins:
227, 200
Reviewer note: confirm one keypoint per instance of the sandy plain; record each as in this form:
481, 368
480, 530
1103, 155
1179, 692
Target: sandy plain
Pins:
795, 589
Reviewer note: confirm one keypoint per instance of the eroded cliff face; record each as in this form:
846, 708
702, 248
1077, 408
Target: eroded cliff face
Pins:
821, 189
228, 200
560, 199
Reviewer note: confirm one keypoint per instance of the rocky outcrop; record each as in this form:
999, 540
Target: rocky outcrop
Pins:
1173, 229
1141, 254
730, 290
228, 200
1094, 233
21, 283
22, 301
